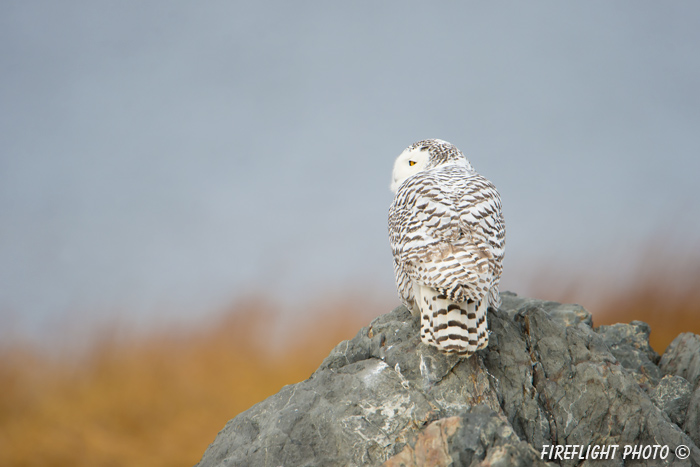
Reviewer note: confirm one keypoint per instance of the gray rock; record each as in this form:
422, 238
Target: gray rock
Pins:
629, 344
682, 358
672, 395
568, 314
692, 418
545, 379
479, 437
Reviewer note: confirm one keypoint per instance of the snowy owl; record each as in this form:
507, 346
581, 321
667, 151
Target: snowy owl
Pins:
448, 238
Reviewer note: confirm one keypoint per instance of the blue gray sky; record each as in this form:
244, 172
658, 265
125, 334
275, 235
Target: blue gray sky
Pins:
168, 158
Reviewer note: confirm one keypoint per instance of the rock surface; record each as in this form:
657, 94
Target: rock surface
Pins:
682, 358
672, 395
546, 379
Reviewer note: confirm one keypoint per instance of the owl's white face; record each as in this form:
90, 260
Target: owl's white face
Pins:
409, 162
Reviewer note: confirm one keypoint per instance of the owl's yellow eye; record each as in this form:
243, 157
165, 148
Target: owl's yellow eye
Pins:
411, 163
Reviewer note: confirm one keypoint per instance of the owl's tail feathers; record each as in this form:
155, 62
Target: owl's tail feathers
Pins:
453, 328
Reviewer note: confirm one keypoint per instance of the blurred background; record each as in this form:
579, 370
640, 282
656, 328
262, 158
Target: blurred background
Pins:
193, 196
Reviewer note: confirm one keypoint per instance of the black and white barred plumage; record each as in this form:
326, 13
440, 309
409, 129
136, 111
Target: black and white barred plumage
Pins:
448, 238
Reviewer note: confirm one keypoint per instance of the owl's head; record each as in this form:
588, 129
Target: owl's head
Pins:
423, 155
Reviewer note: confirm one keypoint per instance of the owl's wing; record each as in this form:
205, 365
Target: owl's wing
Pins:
451, 235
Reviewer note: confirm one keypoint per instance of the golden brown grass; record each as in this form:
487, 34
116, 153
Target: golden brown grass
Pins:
155, 401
